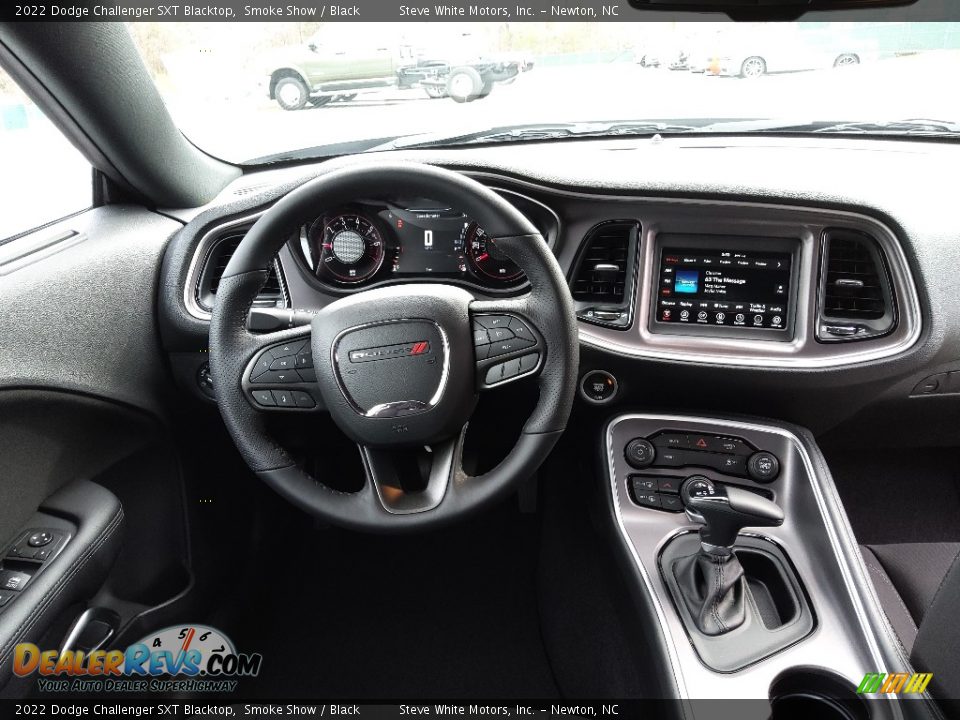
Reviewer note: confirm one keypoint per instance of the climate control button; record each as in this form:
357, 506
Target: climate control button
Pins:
640, 453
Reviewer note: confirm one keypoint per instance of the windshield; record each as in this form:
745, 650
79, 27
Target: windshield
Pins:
262, 92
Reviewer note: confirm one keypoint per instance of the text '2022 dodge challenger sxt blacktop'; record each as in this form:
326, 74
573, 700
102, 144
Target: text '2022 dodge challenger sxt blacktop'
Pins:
482, 368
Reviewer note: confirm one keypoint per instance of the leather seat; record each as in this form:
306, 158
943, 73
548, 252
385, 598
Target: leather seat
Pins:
919, 588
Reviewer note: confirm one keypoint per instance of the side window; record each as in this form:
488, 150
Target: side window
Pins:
42, 176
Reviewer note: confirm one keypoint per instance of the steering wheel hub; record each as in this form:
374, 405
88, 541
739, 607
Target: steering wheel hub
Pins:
399, 368
385, 360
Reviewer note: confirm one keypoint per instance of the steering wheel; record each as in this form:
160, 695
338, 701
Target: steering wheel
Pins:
398, 366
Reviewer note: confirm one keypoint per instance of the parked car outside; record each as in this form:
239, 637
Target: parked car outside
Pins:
324, 70
785, 50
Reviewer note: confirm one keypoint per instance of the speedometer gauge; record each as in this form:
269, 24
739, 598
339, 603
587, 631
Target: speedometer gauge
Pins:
350, 248
486, 258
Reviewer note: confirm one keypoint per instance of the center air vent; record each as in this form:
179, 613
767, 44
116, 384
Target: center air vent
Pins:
603, 276
272, 294
856, 301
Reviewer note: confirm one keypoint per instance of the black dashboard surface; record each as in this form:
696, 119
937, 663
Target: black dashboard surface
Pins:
896, 183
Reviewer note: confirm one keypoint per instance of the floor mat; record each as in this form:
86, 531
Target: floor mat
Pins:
900, 496
447, 614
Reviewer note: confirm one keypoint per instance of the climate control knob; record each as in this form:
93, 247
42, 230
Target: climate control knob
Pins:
763, 466
640, 453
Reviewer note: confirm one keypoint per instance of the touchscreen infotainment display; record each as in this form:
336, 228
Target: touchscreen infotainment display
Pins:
724, 287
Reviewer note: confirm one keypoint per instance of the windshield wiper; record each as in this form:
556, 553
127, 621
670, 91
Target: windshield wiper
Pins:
535, 132
909, 126
913, 126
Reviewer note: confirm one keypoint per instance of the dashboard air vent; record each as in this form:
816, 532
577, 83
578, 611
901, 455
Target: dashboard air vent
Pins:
856, 301
603, 277
272, 294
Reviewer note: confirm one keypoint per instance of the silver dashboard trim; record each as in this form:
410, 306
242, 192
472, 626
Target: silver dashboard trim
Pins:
201, 255
762, 354
666, 526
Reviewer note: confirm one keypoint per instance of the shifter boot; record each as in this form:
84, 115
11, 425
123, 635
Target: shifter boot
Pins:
713, 588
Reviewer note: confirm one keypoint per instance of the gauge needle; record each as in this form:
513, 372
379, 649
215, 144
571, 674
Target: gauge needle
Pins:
484, 256
186, 644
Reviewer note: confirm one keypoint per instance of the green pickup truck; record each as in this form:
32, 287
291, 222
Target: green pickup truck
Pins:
320, 72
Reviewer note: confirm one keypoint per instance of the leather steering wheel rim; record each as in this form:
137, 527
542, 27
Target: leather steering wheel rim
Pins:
548, 306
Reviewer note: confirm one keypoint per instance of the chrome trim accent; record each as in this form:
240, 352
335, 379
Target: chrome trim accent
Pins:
444, 373
803, 351
656, 529
201, 255
624, 342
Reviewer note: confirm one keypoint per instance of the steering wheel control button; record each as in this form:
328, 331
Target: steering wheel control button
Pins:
491, 322
263, 397
598, 387
494, 374
39, 539
283, 398
506, 346
303, 399
307, 374
288, 349
13, 580
521, 331
499, 334
304, 360
278, 377
5, 597
262, 365
763, 466
529, 361
480, 336
284, 363
640, 453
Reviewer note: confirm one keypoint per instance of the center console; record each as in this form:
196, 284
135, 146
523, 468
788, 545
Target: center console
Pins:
741, 551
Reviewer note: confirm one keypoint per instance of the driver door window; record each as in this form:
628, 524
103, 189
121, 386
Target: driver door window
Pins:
43, 177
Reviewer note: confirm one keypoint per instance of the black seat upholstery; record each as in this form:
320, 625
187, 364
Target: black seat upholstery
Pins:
919, 588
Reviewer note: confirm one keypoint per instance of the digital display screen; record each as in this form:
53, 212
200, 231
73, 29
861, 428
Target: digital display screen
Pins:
724, 288
430, 242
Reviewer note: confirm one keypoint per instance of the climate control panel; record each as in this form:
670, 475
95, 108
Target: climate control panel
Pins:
727, 455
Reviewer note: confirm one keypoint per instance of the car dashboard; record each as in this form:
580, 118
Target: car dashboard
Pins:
736, 269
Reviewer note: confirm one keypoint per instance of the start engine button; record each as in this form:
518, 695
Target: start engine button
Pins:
598, 387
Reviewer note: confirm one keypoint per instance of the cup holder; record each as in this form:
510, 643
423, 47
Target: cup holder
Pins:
814, 693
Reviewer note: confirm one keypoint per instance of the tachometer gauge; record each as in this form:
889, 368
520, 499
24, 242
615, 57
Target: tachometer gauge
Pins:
349, 248
485, 258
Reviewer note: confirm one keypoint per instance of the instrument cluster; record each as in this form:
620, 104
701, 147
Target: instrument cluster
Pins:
369, 243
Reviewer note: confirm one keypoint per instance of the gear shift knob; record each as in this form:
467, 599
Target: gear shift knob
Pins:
724, 511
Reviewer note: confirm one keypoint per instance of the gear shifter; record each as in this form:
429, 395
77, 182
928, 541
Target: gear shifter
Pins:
711, 581
724, 511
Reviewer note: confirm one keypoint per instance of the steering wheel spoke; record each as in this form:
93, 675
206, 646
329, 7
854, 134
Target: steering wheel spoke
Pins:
413, 480
392, 364
508, 345
279, 375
